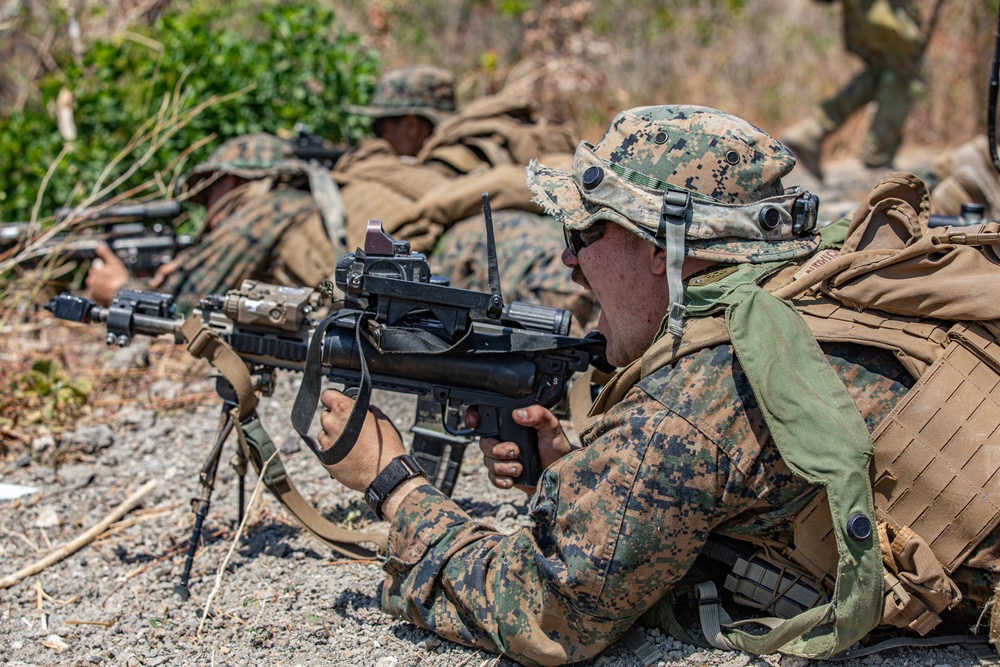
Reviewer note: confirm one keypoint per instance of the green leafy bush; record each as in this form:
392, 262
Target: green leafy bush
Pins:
140, 101
47, 395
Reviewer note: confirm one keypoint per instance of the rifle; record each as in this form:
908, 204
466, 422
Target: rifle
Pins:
309, 146
970, 214
142, 235
397, 329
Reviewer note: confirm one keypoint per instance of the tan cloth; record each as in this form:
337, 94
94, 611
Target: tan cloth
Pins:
492, 131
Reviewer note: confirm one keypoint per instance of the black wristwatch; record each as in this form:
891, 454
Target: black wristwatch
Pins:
399, 470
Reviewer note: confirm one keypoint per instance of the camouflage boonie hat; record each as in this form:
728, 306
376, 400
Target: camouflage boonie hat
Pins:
730, 170
250, 156
421, 90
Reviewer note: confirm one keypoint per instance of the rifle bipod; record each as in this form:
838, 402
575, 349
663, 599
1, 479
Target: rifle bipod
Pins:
200, 504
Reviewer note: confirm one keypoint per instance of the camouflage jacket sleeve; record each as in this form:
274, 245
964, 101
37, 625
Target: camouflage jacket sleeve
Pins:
616, 523
238, 248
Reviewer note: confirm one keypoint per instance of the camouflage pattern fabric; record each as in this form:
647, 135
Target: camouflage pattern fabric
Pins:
886, 34
249, 156
240, 246
724, 162
618, 522
422, 90
529, 247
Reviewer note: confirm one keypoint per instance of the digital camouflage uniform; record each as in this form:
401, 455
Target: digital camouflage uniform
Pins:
887, 36
271, 228
683, 454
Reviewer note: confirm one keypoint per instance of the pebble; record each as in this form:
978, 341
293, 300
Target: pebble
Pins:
90, 439
42, 443
47, 518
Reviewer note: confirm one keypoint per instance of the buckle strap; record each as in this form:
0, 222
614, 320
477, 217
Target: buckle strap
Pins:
204, 343
674, 212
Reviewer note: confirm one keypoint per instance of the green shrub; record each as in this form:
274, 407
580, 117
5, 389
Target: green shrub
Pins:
139, 95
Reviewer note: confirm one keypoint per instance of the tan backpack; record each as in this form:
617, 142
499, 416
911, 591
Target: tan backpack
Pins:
493, 131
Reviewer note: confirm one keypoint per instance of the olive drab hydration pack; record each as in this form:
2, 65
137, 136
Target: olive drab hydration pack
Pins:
887, 280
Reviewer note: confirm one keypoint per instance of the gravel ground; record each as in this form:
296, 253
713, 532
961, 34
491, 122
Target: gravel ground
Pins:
278, 596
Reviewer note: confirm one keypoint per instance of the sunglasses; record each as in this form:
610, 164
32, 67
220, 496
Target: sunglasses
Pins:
578, 239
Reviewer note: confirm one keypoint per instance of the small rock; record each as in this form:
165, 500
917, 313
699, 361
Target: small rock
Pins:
142, 419
388, 661
506, 511
429, 644
793, 661
47, 518
90, 439
740, 660
42, 443
290, 445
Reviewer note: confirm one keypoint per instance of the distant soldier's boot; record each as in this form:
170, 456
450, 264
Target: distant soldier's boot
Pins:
805, 139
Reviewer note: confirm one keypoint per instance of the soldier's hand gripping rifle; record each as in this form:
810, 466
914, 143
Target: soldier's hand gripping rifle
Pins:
142, 235
398, 330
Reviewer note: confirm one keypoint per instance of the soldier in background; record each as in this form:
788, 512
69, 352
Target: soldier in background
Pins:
887, 35
431, 195
261, 222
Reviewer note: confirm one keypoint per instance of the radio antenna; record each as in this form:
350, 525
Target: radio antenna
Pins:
493, 272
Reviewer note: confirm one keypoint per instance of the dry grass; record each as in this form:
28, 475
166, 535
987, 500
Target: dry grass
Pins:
82, 356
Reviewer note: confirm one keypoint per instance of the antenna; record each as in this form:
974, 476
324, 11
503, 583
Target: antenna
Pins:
493, 272
991, 120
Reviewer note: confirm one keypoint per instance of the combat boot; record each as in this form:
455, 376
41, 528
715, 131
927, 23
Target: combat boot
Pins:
805, 139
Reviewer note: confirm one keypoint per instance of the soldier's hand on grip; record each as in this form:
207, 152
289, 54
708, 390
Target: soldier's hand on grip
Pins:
501, 458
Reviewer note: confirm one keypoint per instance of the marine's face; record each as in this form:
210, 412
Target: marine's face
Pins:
626, 275
406, 134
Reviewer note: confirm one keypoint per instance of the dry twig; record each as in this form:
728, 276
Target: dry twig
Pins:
82, 540
236, 539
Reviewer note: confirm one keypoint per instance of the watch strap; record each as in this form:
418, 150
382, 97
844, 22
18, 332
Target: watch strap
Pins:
399, 470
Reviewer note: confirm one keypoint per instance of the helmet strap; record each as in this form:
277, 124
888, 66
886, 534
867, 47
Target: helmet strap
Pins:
674, 213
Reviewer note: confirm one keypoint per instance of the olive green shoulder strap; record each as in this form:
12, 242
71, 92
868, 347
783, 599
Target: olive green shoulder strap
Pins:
822, 437
819, 433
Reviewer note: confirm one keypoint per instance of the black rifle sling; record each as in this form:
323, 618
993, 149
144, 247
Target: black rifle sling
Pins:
257, 446
307, 399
